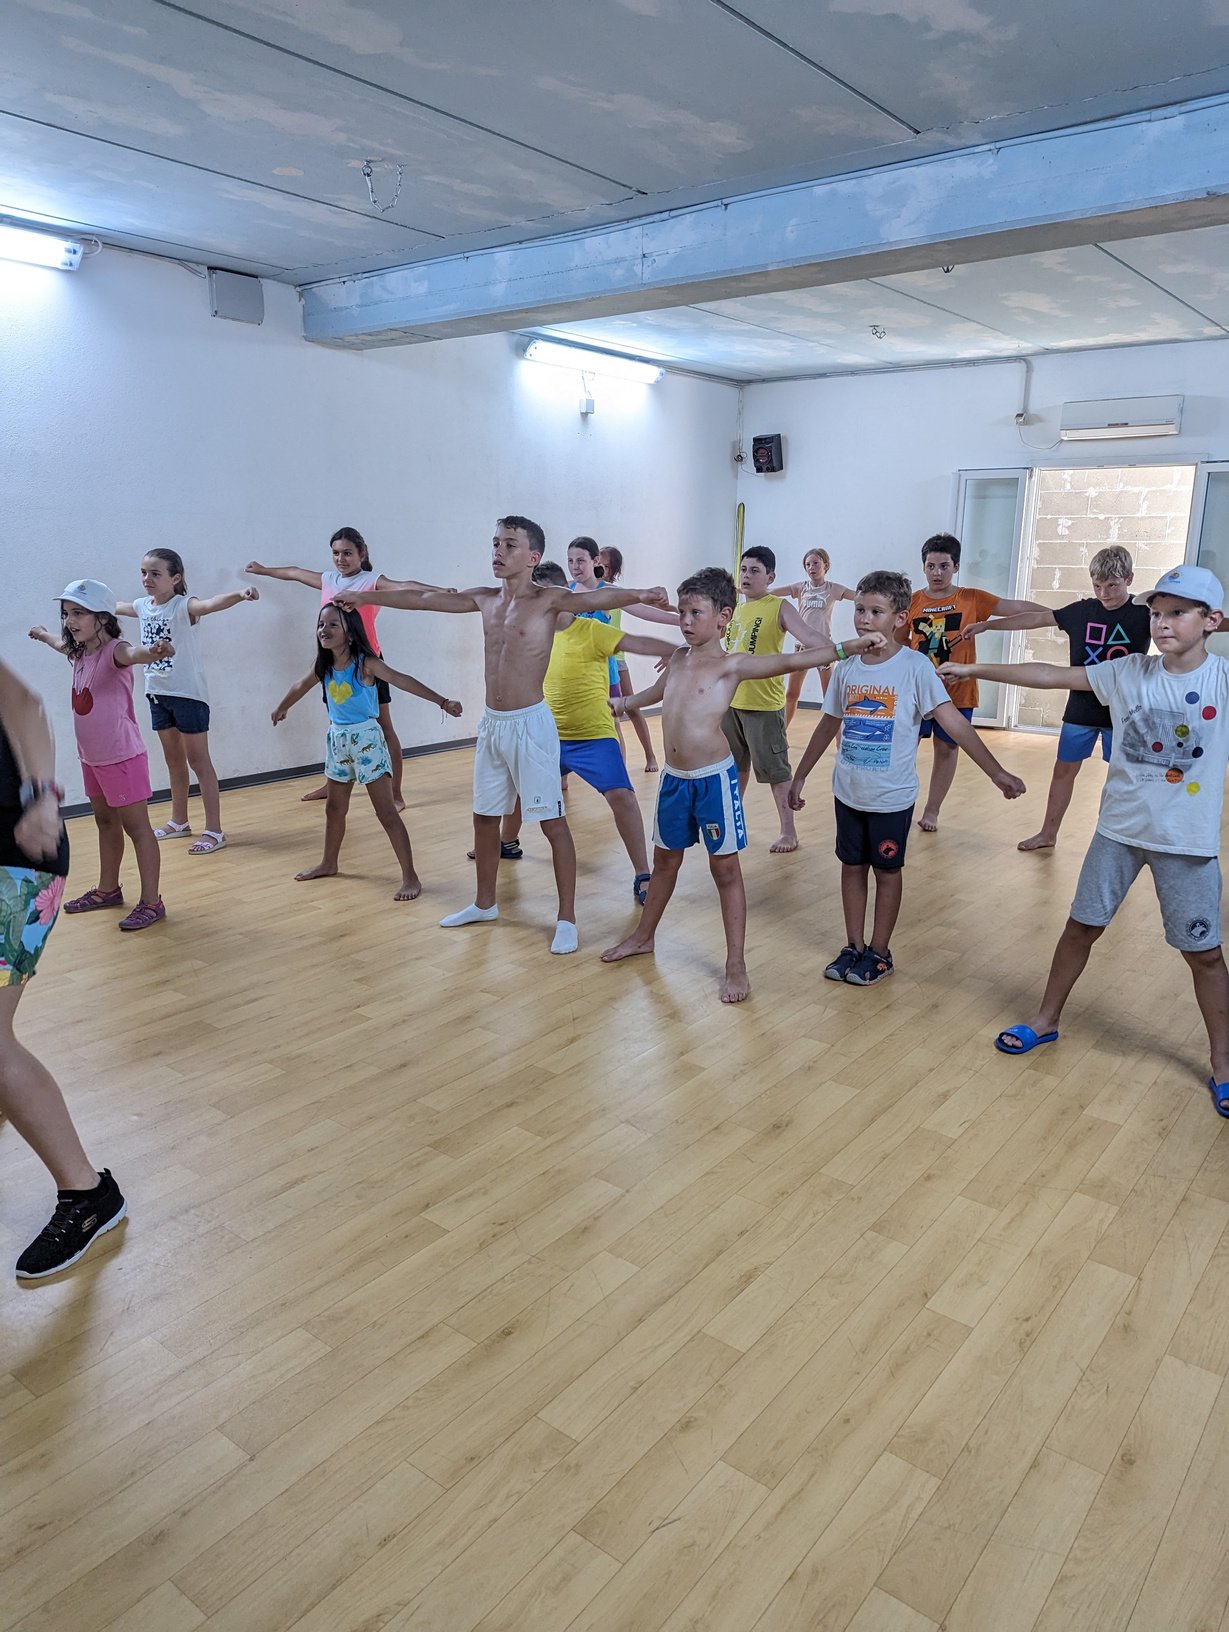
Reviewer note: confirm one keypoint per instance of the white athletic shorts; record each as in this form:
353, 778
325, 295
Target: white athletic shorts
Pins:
517, 756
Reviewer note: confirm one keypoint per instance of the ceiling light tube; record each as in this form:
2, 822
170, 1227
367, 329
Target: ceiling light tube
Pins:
559, 355
39, 248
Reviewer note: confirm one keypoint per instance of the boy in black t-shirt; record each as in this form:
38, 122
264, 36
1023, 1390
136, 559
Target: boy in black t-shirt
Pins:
1106, 625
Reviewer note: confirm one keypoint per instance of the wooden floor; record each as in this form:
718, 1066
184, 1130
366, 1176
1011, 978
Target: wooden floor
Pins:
470, 1288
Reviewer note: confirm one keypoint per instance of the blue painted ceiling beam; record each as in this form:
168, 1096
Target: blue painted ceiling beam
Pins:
1143, 173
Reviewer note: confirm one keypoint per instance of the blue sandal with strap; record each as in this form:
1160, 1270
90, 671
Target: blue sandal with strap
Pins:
1220, 1096
1027, 1038
640, 887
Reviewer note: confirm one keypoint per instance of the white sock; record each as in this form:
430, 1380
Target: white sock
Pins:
470, 915
566, 938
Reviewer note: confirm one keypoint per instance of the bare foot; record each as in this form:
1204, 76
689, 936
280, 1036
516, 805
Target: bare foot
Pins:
317, 872
627, 949
398, 802
735, 986
411, 889
651, 765
316, 793
787, 843
1039, 841
928, 823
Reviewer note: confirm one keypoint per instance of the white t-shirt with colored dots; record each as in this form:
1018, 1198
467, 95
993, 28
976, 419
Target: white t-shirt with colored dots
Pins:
1166, 779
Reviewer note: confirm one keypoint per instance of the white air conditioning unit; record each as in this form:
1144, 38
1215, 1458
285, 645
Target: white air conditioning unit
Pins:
1120, 417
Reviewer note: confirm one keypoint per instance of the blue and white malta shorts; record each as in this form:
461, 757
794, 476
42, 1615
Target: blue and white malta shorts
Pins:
703, 804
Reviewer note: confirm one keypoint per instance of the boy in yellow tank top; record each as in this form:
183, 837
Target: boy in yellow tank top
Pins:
754, 724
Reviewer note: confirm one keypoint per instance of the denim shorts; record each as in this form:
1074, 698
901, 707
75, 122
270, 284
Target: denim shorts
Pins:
187, 715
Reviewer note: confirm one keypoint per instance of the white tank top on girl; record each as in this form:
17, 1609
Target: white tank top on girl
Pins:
182, 675
331, 585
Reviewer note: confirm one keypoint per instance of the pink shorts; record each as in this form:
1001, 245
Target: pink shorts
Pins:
124, 783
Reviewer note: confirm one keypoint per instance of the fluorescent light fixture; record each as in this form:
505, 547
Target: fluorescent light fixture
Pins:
39, 248
559, 355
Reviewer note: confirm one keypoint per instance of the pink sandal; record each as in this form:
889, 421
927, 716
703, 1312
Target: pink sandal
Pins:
144, 914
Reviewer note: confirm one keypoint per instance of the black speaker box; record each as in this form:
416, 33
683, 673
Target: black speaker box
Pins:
766, 454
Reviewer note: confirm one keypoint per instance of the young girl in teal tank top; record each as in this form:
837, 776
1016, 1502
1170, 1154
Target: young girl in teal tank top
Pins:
347, 669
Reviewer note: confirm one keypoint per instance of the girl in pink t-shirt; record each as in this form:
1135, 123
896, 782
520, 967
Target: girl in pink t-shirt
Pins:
352, 569
114, 764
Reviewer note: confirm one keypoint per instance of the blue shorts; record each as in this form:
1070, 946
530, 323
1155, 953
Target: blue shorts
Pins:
929, 726
1078, 742
596, 760
704, 804
187, 715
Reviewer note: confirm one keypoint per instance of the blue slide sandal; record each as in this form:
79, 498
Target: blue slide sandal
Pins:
1029, 1040
1220, 1096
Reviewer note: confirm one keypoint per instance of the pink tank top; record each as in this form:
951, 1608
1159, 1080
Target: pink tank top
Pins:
103, 716
331, 585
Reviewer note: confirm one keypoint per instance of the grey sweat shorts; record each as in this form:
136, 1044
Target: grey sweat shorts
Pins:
1187, 889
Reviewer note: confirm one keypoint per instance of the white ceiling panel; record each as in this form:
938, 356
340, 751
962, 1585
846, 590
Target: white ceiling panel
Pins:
1193, 266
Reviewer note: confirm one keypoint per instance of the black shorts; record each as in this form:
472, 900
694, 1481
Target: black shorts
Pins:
384, 693
872, 838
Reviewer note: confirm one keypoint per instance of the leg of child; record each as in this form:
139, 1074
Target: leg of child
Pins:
395, 756
177, 774
110, 845
941, 778
134, 820
384, 803
888, 887
337, 803
1070, 957
641, 727
196, 750
728, 877
33, 1103
1212, 995
630, 823
793, 691
563, 855
787, 839
1062, 786
666, 864
854, 892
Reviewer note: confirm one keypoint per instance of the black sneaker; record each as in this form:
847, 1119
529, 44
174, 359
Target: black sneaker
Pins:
844, 961
872, 966
80, 1217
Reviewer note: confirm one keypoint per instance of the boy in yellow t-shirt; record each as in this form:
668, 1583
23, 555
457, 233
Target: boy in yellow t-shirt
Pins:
754, 723
577, 691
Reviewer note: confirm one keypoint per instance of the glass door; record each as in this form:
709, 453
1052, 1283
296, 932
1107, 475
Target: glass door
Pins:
990, 513
1207, 542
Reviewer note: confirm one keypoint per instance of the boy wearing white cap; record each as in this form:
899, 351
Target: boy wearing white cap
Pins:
1161, 806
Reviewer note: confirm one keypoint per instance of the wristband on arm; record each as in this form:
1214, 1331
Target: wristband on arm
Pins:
840, 652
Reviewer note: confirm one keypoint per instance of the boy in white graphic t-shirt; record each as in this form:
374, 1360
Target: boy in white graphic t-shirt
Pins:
881, 698
1161, 806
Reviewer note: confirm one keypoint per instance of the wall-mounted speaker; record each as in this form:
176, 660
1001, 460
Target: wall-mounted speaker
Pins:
766, 456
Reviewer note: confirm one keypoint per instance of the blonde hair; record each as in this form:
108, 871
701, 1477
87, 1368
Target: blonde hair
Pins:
1111, 562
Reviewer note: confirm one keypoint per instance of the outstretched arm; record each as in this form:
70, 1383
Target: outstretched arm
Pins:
296, 694
795, 624
963, 735
128, 657
654, 614
824, 733
411, 600
414, 584
751, 666
606, 600
125, 609
1038, 676
647, 646
648, 698
201, 607
46, 638
1037, 617
292, 575
26, 726
377, 669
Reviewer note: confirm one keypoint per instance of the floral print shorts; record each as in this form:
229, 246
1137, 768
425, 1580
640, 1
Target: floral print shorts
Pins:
29, 901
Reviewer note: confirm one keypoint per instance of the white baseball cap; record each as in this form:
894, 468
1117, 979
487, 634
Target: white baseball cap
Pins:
90, 594
1188, 583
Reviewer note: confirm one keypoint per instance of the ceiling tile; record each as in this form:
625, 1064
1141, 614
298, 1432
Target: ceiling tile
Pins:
1194, 266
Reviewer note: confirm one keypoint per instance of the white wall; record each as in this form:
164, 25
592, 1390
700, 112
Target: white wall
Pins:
870, 462
129, 417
